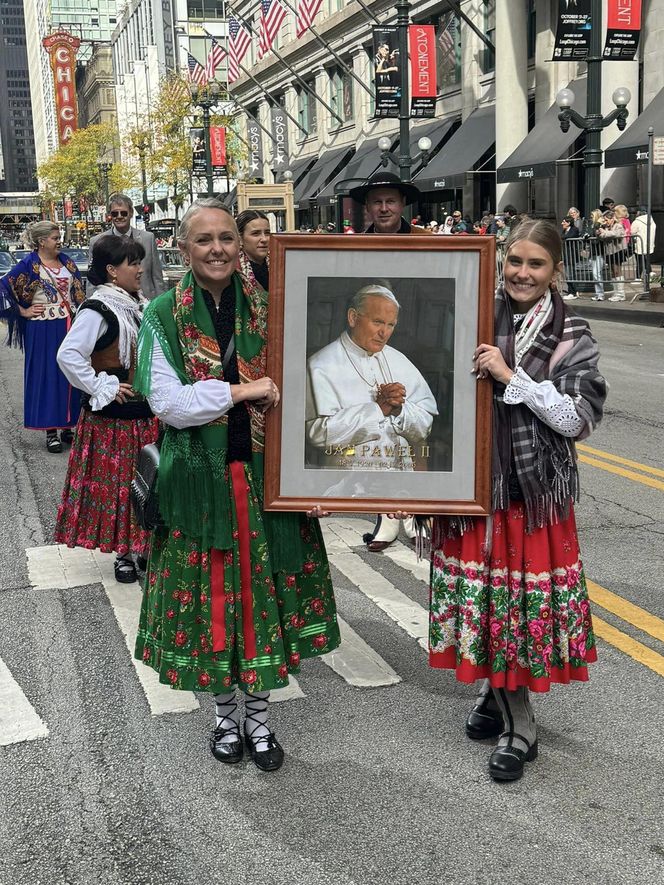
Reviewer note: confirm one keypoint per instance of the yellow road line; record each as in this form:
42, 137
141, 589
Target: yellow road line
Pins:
607, 456
627, 611
629, 646
620, 471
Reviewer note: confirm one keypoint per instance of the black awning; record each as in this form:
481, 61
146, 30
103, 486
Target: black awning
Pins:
436, 130
300, 168
473, 138
546, 143
230, 198
365, 162
321, 172
631, 147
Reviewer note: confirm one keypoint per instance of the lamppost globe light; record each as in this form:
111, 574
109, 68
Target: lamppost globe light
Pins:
384, 143
288, 175
424, 144
621, 97
565, 98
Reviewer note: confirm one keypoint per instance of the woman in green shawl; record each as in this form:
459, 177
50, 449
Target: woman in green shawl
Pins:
233, 596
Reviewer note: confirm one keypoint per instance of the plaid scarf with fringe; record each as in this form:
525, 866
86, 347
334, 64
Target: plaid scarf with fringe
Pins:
565, 353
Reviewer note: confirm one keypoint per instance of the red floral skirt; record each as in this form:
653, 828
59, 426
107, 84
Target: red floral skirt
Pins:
518, 614
95, 511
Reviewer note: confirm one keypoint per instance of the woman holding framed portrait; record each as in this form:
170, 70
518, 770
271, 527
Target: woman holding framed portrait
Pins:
233, 596
509, 603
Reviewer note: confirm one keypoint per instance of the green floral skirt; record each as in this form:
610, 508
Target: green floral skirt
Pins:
213, 619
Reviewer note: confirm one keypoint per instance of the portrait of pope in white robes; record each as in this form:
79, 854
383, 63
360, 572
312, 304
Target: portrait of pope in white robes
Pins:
368, 406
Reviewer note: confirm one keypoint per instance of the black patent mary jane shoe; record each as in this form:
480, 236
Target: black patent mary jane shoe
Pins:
125, 573
507, 763
226, 751
270, 756
483, 722
53, 444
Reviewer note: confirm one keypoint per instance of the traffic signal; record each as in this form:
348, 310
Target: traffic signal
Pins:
146, 212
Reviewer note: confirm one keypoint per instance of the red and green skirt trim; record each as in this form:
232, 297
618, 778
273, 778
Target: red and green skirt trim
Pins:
518, 615
212, 619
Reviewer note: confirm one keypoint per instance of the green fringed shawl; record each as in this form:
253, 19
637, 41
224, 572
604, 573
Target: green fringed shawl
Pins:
193, 486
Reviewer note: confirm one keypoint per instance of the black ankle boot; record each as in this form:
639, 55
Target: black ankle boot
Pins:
484, 720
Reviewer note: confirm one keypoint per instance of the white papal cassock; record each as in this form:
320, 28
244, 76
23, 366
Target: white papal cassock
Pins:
344, 421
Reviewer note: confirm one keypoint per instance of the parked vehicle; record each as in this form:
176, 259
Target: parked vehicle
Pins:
6, 262
172, 264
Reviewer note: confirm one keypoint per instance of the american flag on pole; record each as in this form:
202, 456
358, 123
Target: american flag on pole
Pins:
239, 42
215, 57
306, 13
272, 15
196, 71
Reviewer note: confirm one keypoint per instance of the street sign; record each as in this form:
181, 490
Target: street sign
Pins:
658, 151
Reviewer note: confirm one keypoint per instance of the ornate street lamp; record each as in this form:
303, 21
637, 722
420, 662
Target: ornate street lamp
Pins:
206, 97
105, 168
593, 123
423, 144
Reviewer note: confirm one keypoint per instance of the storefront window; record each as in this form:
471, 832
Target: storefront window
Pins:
532, 28
306, 108
341, 94
205, 9
489, 28
448, 50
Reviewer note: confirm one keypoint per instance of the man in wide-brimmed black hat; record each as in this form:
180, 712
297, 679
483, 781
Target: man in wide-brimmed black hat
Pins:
385, 197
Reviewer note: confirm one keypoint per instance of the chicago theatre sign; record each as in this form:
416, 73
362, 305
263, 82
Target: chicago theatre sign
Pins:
62, 48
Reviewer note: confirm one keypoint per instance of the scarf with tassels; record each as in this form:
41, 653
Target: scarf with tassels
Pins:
562, 351
193, 484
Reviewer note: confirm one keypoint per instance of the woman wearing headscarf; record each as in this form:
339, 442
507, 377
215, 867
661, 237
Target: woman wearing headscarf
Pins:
38, 298
234, 596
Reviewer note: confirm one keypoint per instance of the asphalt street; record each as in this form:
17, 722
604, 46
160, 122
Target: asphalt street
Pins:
380, 784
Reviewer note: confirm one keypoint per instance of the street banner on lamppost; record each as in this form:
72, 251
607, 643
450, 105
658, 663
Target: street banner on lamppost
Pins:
573, 31
623, 30
255, 148
197, 139
387, 71
422, 51
280, 136
62, 48
218, 148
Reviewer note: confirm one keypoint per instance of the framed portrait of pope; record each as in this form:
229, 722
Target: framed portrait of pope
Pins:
370, 340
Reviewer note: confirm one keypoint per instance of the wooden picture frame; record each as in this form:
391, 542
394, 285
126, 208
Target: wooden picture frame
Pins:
419, 457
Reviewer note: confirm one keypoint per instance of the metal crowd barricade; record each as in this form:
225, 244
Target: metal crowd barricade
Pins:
597, 264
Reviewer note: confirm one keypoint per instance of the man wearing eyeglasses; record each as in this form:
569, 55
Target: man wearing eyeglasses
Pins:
121, 212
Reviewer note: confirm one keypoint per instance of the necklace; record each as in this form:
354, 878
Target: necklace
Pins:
373, 386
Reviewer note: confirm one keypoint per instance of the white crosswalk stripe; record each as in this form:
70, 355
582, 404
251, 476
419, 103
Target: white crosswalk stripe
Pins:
357, 662
409, 615
57, 567
19, 720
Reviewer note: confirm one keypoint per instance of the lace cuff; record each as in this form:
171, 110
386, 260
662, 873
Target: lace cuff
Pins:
557, 410
106, 388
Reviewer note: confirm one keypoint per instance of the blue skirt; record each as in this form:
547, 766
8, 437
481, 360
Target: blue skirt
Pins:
49, 400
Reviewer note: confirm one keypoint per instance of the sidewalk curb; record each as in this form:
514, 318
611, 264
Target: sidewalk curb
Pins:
643, 314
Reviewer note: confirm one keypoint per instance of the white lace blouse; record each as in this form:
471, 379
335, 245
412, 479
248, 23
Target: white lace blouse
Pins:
555, 409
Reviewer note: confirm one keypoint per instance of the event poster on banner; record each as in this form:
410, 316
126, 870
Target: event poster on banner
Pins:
387, 71
422, 51
573, 30
218, 148
623, 30
197, 139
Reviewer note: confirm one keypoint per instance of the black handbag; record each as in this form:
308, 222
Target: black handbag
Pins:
144, 498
